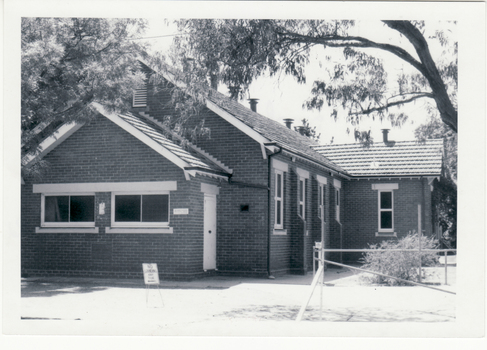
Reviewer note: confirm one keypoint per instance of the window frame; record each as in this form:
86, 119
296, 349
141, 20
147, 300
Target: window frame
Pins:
141, 224
337, 204
278, 226
302, 201
68, 223
380, 210
321, 199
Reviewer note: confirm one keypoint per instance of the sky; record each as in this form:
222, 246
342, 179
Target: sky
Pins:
282, 97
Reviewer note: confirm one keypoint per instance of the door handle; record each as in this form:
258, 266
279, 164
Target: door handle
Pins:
209, 231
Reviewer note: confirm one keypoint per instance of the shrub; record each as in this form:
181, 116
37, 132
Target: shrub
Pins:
404, 265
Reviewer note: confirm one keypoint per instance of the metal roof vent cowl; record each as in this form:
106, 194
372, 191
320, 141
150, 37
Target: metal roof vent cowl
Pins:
253, 104
385, 133
288, 122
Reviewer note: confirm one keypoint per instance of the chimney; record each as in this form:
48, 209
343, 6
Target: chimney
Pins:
288, 122
253, 104
385, 132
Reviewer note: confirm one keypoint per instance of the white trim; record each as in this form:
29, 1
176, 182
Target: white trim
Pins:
302, 173
387, 187
210, 189
163, 151
321, 179
338, 202
65, 224
303, 202
385, 234
66, 229
337, 183
72, 188
279, 232
278, 165
385, 230
279, 199
139, 230
46, 146
135, 224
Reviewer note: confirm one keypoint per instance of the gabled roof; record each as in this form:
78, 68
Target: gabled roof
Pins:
405, 158
263, 130
190, 161
274, 131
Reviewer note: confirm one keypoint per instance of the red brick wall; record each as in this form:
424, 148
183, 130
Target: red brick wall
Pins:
242, 236
103, 152
360, 204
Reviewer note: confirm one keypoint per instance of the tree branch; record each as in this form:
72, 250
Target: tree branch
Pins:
395, 103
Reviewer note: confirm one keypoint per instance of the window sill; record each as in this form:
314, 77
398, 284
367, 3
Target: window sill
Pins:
279, 232
386, 234
148, 230
66, 229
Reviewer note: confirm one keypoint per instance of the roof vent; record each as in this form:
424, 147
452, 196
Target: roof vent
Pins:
300, 129
288, 122
385, 133
253, 104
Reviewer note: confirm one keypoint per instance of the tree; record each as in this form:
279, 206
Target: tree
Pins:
444, 198
68, 63
307, 130
236, 52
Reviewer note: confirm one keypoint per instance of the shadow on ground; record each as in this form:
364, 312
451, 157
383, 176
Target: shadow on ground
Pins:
289, 313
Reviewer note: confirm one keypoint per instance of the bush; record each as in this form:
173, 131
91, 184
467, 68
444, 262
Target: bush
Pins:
404, 265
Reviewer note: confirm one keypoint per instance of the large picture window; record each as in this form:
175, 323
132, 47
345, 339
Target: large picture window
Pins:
140, 209
68, 210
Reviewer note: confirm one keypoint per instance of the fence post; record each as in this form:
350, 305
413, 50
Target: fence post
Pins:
420, 231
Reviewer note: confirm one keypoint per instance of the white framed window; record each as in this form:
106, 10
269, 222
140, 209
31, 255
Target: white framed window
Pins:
131, 209
386, 211
302, 197
337, 204
338, 186
279, 200
321, 200
68, 210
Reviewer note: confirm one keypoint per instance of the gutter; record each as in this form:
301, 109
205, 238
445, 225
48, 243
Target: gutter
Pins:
340, 173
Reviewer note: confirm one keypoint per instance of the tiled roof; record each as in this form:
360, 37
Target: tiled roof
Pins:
274, 131
192, 158
405, 158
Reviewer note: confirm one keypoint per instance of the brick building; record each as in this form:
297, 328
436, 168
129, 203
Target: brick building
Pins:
251, 199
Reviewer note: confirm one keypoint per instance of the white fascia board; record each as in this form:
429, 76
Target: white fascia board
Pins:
46, 146
92, 187
239, 125
163, 151
302, 173
321, 179
385, 187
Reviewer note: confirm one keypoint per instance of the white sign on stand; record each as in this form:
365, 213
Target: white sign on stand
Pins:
151, 274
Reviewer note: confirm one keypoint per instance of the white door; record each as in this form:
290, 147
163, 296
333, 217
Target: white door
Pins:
209, 243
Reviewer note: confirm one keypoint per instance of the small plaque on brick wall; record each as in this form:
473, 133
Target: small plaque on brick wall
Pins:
181, 211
